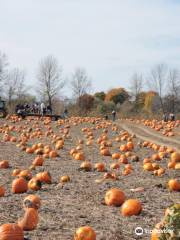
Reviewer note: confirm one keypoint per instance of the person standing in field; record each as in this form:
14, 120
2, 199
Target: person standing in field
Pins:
42, 108
113, 115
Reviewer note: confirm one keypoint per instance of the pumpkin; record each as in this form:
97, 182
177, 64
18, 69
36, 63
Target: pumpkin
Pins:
171, 165
25, 174
53, 154
79, 157
131, 207
148, 167
174, 185
130, 146
2, 191
100, 167
123, 148
38, 161
11, 231
114, 197
34, 184
116, 155
29, 150
105, 152
44, 177
87, 166
16, 172
32, 201
175, 157
85, 233
30, 219
4, 164
19, 185
115, 166
64, 179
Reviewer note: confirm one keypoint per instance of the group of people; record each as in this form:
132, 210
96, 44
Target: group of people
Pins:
36, 108
168, 117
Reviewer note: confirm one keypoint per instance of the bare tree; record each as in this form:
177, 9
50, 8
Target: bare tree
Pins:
173, 87
14, 84
158, 82
136, 86
3, 71
50, 80
80, 83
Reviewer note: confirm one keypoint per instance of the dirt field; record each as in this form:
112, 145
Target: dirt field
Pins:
81, 201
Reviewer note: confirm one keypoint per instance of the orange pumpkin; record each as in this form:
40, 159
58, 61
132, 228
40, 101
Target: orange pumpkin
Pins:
148, 167
19, 185
4, 164
30, 219
100, 167
105, 152
44, 177
175, 157
174, 185
53, 154
131, 207
32, 201
16, 172
11, 231
85, 233
34, 184
64, 179
114, 197
38, 161
87, 166
2, 191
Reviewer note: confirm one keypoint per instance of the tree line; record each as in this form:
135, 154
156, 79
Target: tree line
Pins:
158, 92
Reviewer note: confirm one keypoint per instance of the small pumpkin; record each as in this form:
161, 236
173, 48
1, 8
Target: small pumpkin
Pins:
85, 233
86, 166
100, 167
64, 179
4, 164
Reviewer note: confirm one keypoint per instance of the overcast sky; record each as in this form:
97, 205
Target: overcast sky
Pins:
110, 38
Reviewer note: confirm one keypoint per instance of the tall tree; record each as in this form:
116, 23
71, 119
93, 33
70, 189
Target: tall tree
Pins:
173, 88
80, 83
136, 85
158, 82
14, 85
50, 80
3, 70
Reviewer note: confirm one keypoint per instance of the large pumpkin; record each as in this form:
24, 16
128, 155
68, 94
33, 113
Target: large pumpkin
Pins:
131, 207
30, 219
19, 185
11, 231
114, 197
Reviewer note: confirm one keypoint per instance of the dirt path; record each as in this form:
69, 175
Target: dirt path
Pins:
147, 135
